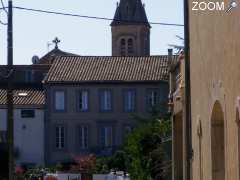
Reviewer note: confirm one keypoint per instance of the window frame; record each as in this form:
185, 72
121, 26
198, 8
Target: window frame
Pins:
65, 101
101, 108
104, 143
58, 139
3, 136
123, 49
80, 138
150, 106
125, 100
78, 100
130, 47
28, 117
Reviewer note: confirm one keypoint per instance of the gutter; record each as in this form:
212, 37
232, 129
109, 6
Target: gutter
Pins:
188, 125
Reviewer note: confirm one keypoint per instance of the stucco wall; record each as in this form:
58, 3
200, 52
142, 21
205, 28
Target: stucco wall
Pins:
28, 136
215, 76
72, 119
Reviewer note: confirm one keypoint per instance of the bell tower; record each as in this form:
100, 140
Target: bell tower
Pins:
130, 29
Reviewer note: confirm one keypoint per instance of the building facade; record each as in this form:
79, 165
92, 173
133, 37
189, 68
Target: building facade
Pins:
214, 69
28, 125
89, 102
90, 109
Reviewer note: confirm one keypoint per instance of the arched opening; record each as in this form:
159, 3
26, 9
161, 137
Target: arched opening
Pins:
123, 47
238, 126
130, 47
217, 143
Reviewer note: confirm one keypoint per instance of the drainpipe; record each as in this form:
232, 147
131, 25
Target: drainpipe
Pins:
187, 107
170, 100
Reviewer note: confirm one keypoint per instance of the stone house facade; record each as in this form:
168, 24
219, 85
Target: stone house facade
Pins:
93, 112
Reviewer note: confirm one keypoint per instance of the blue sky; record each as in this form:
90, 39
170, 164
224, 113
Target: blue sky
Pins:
32, 31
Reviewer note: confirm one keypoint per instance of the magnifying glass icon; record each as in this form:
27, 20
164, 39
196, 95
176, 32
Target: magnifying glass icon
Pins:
232, 5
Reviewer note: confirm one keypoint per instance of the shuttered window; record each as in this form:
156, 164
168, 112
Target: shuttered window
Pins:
83, 137
60, 137
106, 136
59, 100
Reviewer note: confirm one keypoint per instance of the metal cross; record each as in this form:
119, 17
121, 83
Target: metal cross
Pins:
56, 41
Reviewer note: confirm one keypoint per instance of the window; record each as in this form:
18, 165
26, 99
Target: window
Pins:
28, 113
128, 130
152, 98
60, 137
130, 46
105, 100
83, 100
106, 136
59, 100
3, 136
83, 136
123, 47
129, 100
28, 76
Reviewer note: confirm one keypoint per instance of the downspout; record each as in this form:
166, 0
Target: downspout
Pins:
187, 92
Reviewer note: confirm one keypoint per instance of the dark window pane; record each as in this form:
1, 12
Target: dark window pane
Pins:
30, 113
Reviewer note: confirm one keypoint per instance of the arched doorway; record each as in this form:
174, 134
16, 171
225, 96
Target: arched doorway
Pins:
217, 143
238, 126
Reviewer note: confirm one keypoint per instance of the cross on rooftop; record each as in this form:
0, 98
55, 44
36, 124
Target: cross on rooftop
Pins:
56, 41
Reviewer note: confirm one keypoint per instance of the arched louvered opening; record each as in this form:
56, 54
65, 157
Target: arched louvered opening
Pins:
130, 47
123, 47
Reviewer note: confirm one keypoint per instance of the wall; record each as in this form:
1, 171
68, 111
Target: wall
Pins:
215, 76
140, 34
72, 119
28, 136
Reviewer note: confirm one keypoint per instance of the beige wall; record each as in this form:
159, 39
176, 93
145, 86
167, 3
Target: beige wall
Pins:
215, 76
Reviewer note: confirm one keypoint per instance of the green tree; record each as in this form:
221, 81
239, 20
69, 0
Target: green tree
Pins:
148, 149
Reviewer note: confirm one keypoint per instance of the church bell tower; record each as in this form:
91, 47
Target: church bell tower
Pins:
130, 30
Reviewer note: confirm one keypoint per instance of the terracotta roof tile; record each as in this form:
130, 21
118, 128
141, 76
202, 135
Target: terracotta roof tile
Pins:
78, 69
24, 97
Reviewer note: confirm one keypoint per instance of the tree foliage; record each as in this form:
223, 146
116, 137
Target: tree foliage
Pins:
148, 149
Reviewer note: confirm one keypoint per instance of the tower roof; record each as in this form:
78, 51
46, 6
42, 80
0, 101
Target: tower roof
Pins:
130, 12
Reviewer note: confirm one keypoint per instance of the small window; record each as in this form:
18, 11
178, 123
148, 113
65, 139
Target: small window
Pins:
59, 100
106, 136
83, 100
123, 47
3, 136
130, 47
28, 113
83, 136
105, 100
60, 137
128, 130
28, 76
153, 98
129, 100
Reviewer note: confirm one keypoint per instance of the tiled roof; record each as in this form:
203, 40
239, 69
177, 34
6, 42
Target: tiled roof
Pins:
49, 57
24, 97
80, 69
